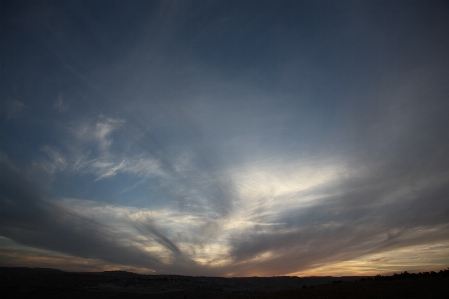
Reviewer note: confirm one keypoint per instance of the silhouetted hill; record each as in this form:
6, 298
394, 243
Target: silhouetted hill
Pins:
45, 283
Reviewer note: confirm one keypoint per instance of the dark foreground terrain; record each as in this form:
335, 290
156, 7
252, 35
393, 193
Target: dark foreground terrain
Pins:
51, 283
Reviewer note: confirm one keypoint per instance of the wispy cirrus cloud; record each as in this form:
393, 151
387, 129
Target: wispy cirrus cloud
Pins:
96, 131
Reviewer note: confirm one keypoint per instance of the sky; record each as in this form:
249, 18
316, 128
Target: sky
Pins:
225, 138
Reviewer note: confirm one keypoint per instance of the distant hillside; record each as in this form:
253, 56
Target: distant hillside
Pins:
45, 283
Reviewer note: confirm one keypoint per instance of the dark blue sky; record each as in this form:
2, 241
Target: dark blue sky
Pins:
225, 137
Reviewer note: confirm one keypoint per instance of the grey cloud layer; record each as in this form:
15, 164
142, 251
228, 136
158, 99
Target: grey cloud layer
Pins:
191, 96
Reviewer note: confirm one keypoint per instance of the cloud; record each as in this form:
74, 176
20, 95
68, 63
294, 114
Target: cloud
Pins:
88, 230
29, 219
90, 152
57, 163
97, 131
382, 189
390, 194
60, 104
301, 144
14, 109
13, 254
